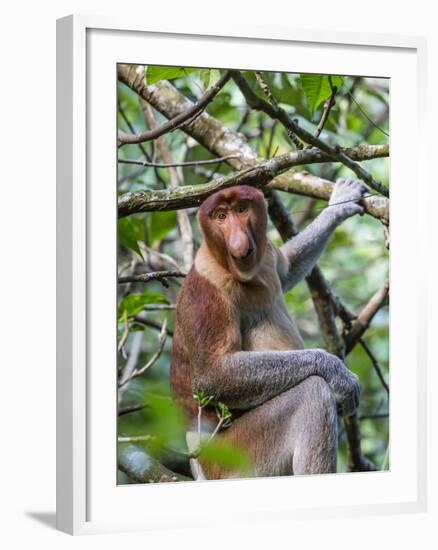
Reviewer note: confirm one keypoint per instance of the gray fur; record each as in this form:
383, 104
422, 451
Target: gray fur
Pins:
247, 379
303, 251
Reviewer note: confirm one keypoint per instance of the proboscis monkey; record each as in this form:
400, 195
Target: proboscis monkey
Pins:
236, 341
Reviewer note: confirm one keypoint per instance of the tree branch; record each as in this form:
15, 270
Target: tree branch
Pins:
365, 317
153, 276
357, 461
143, 468
130, 74
259, 175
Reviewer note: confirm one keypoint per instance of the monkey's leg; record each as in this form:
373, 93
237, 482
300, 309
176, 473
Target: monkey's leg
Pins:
315, 430
293, 433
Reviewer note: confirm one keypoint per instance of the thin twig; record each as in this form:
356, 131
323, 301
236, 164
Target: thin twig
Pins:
159, 307
137, 372
131, 363
131, 409
217, 428
150, 323
375, 364
306, 213
176, 164
365, 114
327, 108
124, 336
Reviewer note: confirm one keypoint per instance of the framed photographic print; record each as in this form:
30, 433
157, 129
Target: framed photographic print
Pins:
232, 281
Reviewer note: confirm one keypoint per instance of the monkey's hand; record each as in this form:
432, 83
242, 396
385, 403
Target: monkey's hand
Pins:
345, 197
344, 384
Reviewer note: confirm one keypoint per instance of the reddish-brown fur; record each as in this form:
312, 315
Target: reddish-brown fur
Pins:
205, 329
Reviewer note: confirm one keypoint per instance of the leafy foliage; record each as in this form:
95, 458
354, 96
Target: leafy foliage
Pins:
318, 88
133, 304
155, 73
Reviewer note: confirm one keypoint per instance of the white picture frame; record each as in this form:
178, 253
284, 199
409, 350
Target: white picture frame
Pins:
87, 500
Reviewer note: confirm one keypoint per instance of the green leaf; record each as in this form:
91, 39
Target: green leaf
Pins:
155, 73
130, 231
160, 224
201, 398
205, 78
317, 88
223, 411
133, 304
209, 77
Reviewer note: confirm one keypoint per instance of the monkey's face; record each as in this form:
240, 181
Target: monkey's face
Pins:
234, 225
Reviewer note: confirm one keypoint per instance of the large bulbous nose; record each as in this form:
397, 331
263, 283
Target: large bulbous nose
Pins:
238, 243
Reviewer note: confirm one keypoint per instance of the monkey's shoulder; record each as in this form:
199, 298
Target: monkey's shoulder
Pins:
203, 315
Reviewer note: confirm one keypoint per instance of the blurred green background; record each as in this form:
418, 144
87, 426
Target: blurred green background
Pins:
355, 262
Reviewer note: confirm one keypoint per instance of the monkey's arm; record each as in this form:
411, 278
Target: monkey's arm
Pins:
246, 379
300, 254
207, 340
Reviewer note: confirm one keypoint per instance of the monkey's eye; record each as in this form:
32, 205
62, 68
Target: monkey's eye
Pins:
242, 209
221, 215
